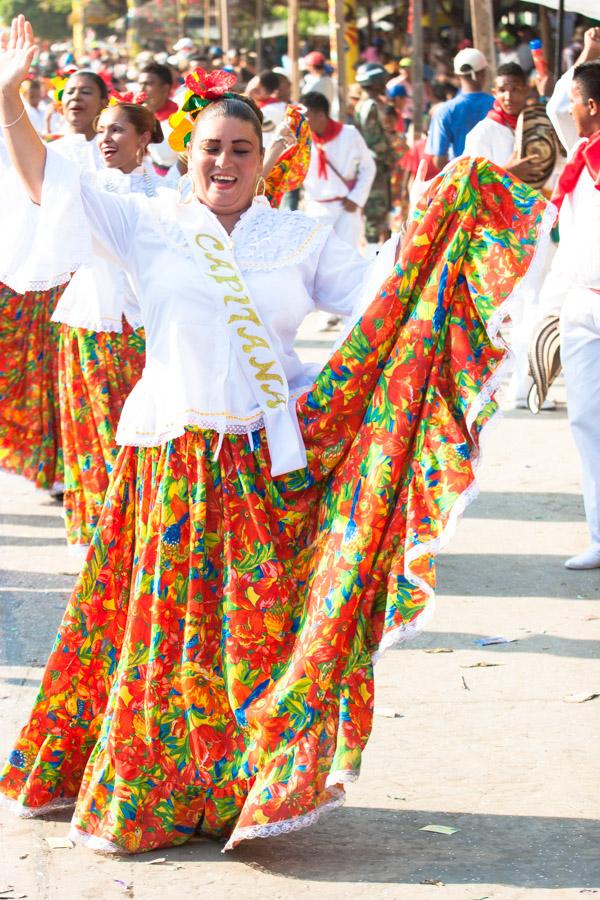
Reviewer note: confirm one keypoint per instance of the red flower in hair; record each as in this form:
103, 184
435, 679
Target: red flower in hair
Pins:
129, 97
210, 85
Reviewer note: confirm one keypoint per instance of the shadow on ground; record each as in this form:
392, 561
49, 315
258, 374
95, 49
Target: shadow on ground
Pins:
527, 506
32, 520
493, 575
385, 846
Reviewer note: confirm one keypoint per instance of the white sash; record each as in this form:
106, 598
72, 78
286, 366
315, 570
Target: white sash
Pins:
223, 281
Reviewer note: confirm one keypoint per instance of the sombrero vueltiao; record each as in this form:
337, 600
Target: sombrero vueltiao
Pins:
535, 135
544, 360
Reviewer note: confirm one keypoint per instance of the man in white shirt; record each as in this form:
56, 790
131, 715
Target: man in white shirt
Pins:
156, 81
574, 110
494, 138
341, 171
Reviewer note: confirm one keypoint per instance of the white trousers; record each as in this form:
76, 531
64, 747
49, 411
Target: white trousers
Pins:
349, 226
580, 354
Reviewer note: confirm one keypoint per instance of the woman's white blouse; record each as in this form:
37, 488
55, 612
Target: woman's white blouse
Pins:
99, 294
291, 264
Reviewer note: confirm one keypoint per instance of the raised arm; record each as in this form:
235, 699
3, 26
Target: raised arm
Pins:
25, 149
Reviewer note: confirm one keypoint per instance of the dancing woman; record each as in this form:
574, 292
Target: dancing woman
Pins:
263, 535
101, 350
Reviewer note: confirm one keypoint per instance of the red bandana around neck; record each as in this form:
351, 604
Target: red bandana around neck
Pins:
497, 114
586, 155
167, 110
268, 102
331, 132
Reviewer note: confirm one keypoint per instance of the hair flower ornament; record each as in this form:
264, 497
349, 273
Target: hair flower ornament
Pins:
202, 88
128, 97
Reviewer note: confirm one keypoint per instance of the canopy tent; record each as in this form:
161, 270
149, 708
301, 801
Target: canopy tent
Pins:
590, 8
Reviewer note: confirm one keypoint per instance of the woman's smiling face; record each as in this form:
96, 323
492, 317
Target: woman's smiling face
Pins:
225, 163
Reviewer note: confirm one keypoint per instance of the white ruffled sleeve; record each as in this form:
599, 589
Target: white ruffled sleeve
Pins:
41, 246
345, 282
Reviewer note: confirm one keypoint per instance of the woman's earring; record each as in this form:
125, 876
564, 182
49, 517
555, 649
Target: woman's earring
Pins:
261, 187
185, 188
139, 156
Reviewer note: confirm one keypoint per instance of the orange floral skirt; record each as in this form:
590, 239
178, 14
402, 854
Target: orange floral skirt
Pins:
30, 439
97, 371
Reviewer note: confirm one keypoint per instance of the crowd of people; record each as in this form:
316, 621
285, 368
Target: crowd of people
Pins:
255, 531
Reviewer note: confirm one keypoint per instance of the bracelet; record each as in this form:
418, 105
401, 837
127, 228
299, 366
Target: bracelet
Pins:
18, 119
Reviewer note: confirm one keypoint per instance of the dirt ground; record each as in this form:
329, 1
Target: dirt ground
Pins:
482, 738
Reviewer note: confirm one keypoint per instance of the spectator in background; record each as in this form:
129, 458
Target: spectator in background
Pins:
341, 171
404, 79
574, 48
453, 119
525, 35
352, 100
156, 81
316, 77
369, 117
398, 97
31, 95
506, 46
265, 89
284, 92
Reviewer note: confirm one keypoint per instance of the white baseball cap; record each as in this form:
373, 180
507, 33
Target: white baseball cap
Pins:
184, 43
469, 61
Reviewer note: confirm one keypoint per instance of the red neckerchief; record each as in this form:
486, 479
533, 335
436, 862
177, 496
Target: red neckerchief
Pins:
497, 114
332, 130
165, 111
574, 168
262, 103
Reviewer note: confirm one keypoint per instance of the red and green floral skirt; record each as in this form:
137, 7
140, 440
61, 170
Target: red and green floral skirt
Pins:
30, 441
97, 371
213, 672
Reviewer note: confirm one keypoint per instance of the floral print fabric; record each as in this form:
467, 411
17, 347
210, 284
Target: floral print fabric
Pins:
30, 440
213, 670
97, 371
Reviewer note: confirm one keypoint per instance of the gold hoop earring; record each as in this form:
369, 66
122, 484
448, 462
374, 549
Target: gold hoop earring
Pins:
185, 188
261, 187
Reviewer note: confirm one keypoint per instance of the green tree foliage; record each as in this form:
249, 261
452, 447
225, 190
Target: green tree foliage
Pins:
48, 17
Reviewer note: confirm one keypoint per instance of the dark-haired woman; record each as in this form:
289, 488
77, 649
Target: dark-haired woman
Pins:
30, 421
263, 536
101, 350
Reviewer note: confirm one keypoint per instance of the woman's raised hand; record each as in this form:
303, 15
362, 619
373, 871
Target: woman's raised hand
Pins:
17, 50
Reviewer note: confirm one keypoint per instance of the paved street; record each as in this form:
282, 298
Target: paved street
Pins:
482, 740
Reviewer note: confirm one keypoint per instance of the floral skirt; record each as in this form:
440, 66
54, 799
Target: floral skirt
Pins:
213, 671
97, 371
30, 440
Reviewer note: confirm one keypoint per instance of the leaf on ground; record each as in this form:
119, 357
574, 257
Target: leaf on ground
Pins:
439, 650
580, 698
440, 829
387, 712
481, 665
433, 881
160, 860
60, 843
